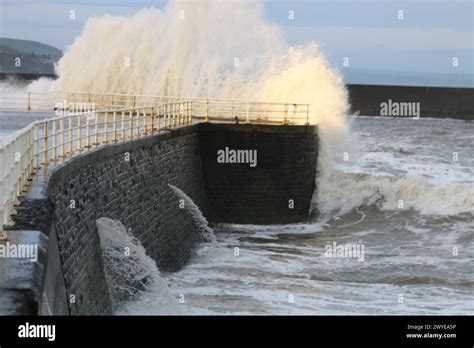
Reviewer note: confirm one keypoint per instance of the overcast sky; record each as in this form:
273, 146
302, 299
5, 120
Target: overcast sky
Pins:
368, 32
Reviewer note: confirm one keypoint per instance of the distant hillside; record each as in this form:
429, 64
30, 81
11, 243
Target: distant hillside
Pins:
35, 58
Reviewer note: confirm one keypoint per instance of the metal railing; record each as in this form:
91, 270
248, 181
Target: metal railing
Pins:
109, 118
205, 108
43, 144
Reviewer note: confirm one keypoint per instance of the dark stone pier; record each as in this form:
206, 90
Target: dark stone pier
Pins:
128, 181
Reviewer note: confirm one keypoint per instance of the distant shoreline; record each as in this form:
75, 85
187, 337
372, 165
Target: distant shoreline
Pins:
25, 77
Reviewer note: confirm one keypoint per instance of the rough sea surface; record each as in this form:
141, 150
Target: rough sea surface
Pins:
406, 195
417, 260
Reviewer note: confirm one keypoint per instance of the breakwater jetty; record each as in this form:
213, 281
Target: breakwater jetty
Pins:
267, 176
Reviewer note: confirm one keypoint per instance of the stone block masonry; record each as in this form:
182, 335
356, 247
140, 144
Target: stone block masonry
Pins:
129, 182
126, 182
278, 189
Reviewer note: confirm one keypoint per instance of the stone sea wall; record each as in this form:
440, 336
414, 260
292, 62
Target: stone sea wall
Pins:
129, 182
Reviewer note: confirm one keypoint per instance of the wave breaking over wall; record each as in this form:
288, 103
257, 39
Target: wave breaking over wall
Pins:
133, 280
229, 50
216, 50
207, 234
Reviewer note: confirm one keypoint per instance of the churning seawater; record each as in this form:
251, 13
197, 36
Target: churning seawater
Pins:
418, 256
415, 262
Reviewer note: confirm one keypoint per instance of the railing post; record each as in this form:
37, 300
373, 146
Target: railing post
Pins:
207, 111
106, 127
158, 118
294, 117
248, 112
190, 112
20, 147
307, 114
27, 166
285, 120
173, 114
138, 123
184, 112
53, 138
70, 150
96, 128
123, 125
88, 131
134, 100
79, 134
114, 127
61, 135
130, 125
28, 107
165, 109
169, 114
45, 144
145, 133
152, 120
178, 107
31, 160
36, 146
176, 114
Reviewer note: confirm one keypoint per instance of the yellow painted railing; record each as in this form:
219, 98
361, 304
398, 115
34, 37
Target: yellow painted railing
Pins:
234, 110
43, 144
87, 120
